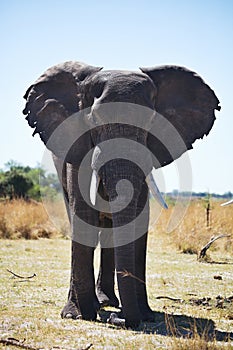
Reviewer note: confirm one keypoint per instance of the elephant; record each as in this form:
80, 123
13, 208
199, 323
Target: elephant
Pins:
107, 130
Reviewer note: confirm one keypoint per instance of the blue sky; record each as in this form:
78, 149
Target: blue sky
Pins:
120, 35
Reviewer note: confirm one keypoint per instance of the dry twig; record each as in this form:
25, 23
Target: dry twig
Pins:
169, 298
22, 277
88, 347
125, 273
22, 345
17, 343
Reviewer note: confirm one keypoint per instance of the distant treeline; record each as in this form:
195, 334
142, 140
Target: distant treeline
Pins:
175, 193
18, 181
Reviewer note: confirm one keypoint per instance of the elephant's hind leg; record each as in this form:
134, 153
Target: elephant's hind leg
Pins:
105, 282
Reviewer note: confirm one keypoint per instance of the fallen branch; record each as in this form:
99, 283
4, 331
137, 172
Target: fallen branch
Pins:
88, 347
17, 343
212, 240
169, 298
22, 277
22, 345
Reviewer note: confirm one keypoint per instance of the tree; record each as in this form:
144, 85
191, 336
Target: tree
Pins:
26, 182
15, 184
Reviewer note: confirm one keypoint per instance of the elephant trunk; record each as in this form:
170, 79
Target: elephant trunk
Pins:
95, 180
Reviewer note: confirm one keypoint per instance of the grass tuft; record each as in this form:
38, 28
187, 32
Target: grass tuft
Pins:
25, 219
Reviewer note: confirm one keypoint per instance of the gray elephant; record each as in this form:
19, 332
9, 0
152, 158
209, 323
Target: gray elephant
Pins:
107, 130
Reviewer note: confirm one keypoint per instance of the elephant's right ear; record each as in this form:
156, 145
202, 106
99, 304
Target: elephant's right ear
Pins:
54, 97
186, 107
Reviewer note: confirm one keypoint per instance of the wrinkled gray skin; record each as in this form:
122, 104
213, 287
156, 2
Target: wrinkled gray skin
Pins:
178, 94
105, 282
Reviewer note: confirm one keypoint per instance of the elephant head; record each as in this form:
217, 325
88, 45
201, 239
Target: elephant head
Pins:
132, 122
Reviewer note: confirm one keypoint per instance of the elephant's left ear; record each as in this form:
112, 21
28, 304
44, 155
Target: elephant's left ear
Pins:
53, 98
60, 82
185, 101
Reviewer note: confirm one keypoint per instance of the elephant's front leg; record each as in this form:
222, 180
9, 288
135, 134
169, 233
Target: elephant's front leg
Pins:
124, 238
140, 254
82, 302
140, 273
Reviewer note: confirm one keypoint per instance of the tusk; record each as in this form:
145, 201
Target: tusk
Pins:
95, 180
227, 203
155, 191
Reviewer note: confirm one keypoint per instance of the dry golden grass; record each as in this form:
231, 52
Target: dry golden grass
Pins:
191, 232
30, 309
182, 226
24, 219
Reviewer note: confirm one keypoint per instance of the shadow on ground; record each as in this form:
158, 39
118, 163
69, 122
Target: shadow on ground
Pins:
178, 326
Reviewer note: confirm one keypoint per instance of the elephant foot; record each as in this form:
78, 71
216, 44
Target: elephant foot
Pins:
119, 320
89, 313
70, 310
147, 315
107, 299
115, 320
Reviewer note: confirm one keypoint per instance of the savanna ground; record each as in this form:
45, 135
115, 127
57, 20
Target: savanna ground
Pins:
192, 300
